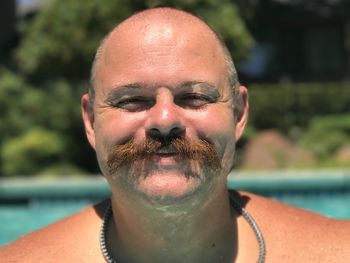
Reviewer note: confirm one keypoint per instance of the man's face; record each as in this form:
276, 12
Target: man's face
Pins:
162, 83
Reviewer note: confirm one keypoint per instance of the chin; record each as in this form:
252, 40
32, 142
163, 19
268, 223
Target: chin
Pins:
169, 187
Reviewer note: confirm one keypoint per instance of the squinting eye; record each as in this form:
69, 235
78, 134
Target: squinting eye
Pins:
133, 104
193, 100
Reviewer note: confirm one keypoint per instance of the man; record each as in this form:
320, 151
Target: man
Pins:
163, 114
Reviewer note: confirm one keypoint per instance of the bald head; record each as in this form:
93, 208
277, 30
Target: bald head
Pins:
160, 27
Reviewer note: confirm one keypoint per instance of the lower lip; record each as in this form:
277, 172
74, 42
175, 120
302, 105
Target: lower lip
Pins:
166, 159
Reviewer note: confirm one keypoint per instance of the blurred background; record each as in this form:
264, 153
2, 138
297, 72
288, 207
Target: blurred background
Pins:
293, 55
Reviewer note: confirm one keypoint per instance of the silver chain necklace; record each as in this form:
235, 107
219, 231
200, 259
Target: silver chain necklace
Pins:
262, 247
259, 235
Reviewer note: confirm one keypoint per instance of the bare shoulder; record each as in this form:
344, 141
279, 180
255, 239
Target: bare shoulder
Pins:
73, 239
299, 235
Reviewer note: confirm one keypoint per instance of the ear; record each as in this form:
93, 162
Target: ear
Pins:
88, 118
241, 111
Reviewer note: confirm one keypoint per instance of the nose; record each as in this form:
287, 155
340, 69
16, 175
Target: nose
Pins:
164, 120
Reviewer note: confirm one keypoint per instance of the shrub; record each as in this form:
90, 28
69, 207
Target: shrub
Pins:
31, 152
326, 134
285, 105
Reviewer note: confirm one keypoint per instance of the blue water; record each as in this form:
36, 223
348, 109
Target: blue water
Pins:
28, 206
331, 204
16, 220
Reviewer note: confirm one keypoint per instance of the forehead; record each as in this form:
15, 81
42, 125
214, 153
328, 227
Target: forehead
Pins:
160, 52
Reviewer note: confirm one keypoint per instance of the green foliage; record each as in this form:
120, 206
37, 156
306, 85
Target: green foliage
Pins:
20, 104
323, 143
314, 115
283, 106
326, 134
53, 106
63, 37
331, 123
22, 154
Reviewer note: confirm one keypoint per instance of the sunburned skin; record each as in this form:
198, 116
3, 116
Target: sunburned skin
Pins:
291, 234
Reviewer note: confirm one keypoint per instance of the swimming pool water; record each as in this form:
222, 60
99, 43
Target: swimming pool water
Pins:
27, 205
16, 220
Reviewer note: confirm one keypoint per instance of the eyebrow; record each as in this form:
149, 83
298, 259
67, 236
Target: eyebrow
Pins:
203, 85
119, 91
135, 88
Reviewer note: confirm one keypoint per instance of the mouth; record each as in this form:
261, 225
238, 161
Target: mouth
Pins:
166, 154
165, 157
166, 150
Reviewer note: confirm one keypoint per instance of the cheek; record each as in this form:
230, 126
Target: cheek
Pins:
218, 126
113, 128
117, 127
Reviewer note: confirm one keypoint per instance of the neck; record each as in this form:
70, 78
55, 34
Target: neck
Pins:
200, 229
